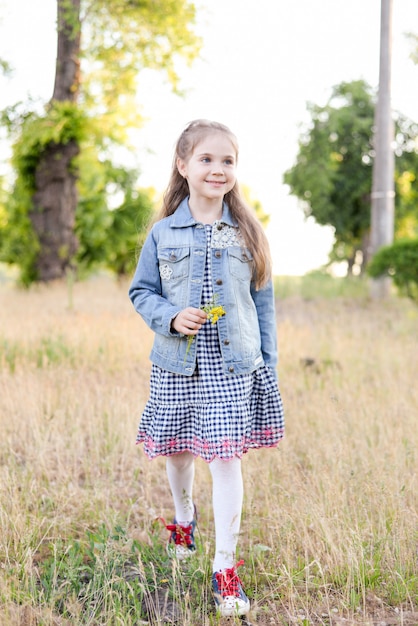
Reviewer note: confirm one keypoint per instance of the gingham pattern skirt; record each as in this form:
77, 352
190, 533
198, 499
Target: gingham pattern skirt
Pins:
209, 413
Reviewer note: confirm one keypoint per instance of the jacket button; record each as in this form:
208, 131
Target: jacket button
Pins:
218, 254
219, 227
226, 342
219, 281
231, 368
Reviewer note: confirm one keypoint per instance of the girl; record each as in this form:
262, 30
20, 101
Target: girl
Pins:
203, 285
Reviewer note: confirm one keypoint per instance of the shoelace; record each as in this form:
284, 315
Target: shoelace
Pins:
182, 534
229, 581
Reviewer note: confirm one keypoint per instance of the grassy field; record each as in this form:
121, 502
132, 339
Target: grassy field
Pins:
330, 524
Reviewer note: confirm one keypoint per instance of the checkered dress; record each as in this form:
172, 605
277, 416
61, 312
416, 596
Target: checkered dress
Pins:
210, 414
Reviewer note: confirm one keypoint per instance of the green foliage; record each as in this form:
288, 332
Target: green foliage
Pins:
18, 242
400, 261
109, 238
128, 231
119, 39
93, 219
406, 179
61, 123
136, 35
5, 67
332, 175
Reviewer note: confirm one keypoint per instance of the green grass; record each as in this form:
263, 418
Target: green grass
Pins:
320, 284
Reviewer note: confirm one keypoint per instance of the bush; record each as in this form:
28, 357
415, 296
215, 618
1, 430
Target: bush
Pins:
399, 261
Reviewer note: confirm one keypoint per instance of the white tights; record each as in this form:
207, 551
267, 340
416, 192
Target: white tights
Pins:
227, 495
180, 473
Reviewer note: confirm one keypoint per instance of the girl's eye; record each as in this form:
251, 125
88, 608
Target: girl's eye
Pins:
229, 162
205, 160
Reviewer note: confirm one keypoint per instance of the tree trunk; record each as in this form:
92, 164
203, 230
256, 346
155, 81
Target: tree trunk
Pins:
67, 70
55, 198
383, 187
365, 249
55, 201
350, 264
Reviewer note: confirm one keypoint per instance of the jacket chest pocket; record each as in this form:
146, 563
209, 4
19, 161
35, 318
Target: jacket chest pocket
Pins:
240, 262
173, 263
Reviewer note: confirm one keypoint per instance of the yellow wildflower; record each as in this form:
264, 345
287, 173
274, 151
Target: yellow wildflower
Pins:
215, 313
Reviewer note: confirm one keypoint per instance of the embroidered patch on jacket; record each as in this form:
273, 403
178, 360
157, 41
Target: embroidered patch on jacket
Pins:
224, 236
165, 272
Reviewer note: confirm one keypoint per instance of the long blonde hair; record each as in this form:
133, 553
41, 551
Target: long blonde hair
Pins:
178, 189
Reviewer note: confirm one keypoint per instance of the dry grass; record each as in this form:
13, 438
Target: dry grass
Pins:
329, 531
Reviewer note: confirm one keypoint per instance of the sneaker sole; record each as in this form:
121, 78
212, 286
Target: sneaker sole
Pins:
230, 608
179, 552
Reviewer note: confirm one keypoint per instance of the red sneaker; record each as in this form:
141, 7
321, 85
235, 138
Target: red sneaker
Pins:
230, 598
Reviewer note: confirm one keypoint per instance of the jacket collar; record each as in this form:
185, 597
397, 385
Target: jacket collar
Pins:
182, 216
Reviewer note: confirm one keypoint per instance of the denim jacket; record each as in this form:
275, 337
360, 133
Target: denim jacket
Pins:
169, 278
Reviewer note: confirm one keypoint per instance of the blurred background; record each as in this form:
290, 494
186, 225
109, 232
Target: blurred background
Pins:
254, 68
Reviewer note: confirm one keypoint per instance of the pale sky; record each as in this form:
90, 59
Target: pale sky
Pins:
261, 62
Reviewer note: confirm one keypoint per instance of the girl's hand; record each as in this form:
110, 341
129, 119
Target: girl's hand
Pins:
189, 321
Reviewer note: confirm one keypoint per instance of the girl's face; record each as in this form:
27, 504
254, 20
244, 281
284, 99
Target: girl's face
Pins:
211, 169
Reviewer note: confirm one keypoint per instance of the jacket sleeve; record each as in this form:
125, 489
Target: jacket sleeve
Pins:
145, 291
265, 304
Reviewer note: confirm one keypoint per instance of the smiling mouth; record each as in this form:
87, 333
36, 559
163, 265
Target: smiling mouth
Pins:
216, 182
